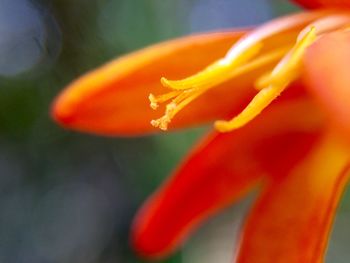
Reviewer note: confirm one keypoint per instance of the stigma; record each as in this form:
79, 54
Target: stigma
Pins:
294, 35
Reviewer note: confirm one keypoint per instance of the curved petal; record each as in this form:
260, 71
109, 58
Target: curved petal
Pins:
323, 3
292, 219
113, 99
326, 74
220, 170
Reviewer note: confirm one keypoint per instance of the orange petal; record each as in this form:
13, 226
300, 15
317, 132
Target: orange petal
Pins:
113, 99
291, 221
327, 65
223, 168
324, 3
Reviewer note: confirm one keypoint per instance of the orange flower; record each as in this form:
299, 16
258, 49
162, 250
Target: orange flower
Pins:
294, 148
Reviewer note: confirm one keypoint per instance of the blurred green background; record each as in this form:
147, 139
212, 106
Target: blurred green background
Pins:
68, 197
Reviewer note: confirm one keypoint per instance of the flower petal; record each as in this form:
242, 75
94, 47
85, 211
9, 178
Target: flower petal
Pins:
222, 169
323, 3
291, 221
326, 74
113, 99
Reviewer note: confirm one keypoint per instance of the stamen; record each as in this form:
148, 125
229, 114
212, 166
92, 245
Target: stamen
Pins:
322, 25
214, 72
255, 50
284, 73
188, 96
287, 68
173, 108
155, 100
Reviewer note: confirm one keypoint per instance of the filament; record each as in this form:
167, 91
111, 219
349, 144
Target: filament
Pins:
253, 51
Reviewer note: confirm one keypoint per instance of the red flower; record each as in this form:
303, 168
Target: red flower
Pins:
294, 148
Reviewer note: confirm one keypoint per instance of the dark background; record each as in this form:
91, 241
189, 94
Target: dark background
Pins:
67, 197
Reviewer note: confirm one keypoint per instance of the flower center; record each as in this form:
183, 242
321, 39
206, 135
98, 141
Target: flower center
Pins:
253, 51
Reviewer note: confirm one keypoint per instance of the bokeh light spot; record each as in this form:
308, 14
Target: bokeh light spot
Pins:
25, 33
